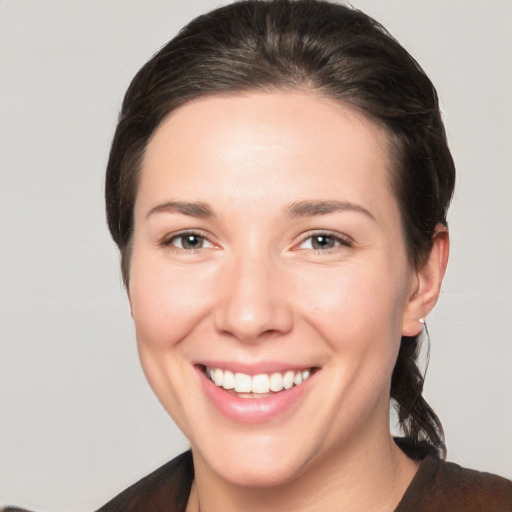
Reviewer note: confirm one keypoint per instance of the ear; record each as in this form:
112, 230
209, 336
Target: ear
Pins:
427, 283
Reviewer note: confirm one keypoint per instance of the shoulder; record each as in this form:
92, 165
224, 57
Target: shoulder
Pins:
167, 488
474, 488
440, 485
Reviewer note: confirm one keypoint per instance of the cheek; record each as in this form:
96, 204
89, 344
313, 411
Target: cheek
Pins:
166, 304
354, 300
358, 314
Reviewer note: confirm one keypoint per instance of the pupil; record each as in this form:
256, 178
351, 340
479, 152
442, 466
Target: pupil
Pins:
191, 242
322, 241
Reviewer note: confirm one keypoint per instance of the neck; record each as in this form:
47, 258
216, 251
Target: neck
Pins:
367, 476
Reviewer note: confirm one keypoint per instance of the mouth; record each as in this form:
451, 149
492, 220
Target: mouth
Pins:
261, 385
256, 396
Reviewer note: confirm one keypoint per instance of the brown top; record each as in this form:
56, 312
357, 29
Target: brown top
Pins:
438, 486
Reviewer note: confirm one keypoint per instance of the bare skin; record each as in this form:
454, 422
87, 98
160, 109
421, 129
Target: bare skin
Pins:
267, 236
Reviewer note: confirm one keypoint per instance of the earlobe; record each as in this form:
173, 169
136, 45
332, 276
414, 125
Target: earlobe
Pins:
427, 283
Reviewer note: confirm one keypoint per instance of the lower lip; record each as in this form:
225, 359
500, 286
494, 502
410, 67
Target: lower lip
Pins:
252, 410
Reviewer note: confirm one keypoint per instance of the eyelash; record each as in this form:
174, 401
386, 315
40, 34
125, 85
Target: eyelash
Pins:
338, 240
169, 242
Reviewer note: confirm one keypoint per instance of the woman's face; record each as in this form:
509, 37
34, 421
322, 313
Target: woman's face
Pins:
268, 247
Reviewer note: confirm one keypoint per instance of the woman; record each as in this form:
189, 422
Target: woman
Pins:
278, 187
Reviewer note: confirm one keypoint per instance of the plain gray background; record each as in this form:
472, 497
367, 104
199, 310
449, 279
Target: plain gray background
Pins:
78, 421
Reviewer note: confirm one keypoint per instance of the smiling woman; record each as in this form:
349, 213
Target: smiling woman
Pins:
278, 186
303, 279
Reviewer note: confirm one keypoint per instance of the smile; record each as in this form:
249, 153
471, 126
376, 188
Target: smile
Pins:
255, 397
260, 384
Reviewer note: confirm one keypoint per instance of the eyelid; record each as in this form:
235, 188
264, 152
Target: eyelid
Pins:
343, 239
168, 240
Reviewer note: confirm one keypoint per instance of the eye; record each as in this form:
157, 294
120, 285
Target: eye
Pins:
189, 241
324, 242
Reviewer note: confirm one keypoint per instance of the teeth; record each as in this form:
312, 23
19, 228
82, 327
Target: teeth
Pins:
288, 380
218, 377
243, 383
229, 380
276, 382
259, 384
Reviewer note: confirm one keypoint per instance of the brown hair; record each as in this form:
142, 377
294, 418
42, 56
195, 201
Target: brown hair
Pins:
336, 51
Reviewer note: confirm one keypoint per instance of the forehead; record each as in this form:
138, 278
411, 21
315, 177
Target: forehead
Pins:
259, 144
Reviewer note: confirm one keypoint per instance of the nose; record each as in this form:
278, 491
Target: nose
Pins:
254, 303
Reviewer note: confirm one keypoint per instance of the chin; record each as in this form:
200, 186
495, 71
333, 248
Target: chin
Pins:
257, 474
256, 461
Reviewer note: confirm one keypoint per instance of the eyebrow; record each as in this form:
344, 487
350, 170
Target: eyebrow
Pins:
306, 208
192, 208
311, 208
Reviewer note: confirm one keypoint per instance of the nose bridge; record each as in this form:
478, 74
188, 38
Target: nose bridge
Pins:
252, 301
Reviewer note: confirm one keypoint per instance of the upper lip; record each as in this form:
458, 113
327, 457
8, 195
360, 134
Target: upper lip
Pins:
254, 368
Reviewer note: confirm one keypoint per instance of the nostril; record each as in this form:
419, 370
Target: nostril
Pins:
253, 323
